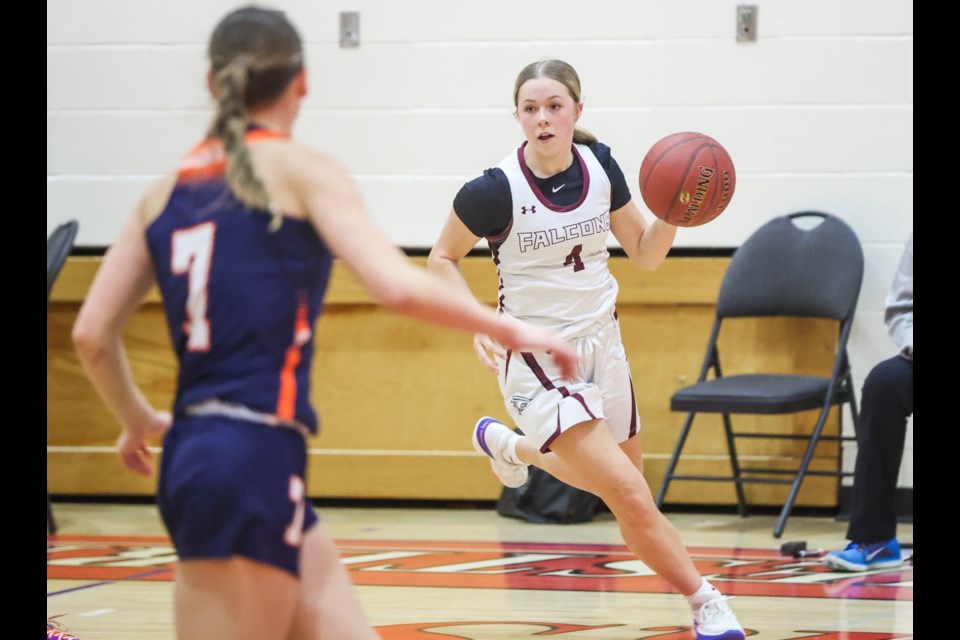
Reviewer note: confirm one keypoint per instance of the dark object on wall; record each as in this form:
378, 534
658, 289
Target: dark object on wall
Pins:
781, 270
546, 500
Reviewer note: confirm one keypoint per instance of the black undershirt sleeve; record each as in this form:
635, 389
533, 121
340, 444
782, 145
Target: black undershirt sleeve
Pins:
619, 191
485, 205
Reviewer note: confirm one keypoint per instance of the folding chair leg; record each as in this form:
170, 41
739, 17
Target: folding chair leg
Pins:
735, 466
51, 523
672, 466
801, 473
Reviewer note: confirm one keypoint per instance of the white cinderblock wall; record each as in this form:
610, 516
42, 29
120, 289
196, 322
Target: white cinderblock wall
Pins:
817, 113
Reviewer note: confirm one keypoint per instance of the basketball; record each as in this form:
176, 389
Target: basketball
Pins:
687, 179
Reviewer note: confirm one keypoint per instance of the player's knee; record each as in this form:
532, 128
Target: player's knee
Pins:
884, 383
630, 499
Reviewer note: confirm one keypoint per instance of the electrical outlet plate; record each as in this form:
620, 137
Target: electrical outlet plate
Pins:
746, 23
349, 28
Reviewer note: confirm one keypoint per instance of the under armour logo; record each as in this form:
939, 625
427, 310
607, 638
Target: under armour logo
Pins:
533, 209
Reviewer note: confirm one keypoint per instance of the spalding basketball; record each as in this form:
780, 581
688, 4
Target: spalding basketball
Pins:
687, 179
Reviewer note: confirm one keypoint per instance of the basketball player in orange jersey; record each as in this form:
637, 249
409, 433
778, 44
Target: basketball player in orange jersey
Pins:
240, 240
546, 211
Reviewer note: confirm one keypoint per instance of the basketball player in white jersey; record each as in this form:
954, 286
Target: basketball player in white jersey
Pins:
546, 211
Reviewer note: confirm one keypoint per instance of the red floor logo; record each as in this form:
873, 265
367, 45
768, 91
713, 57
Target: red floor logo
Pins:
558, 567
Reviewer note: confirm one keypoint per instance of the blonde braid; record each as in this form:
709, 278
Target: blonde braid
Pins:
230, 125
254, 54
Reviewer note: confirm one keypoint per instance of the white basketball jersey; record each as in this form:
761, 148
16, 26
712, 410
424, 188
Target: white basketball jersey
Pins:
552, 260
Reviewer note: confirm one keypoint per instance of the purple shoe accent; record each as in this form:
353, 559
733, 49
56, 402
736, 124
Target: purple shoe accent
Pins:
716, 621
726, 635
481, 429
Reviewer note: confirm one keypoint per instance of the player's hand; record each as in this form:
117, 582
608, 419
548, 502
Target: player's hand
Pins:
488, 350
132, 445
529, 338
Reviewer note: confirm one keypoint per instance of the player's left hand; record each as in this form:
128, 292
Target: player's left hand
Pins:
488, 351
132, 445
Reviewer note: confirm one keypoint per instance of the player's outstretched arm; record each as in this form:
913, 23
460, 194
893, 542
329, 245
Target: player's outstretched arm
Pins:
333, 202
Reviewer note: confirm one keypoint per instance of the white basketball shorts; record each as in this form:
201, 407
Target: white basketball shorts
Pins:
544, 405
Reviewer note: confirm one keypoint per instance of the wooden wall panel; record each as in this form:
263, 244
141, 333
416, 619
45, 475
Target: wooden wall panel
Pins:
397, 398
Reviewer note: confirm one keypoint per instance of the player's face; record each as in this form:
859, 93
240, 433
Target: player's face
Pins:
548, 114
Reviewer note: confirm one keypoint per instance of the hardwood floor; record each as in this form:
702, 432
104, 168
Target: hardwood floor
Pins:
468, 573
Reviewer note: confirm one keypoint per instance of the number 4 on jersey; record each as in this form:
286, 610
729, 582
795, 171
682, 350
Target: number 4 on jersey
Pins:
574, 259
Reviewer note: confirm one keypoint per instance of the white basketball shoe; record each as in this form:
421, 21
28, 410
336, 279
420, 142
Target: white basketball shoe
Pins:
493, 439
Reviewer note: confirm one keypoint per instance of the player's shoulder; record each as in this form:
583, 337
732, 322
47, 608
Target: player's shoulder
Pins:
600, 150
302, 161
292, 151
487, 185
155, 197
489, 177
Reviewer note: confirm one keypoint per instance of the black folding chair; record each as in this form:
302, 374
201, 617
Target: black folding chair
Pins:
59, 244
780, 270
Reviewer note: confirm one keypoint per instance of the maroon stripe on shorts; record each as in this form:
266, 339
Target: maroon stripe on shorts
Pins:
556, 432
538, 371
548, 384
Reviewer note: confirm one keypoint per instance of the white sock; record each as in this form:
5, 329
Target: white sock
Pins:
511, 452
706, 592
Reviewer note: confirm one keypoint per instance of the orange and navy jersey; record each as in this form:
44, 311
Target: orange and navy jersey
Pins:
241, 301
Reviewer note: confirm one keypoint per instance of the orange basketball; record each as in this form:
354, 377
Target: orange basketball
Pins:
687, 179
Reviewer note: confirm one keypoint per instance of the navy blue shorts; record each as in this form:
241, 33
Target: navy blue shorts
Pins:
234, 488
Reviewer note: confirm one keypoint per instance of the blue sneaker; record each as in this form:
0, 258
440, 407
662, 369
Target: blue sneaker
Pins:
861, 557
715, 621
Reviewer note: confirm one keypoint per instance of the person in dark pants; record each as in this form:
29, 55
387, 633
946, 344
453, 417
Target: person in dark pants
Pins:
887, 402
